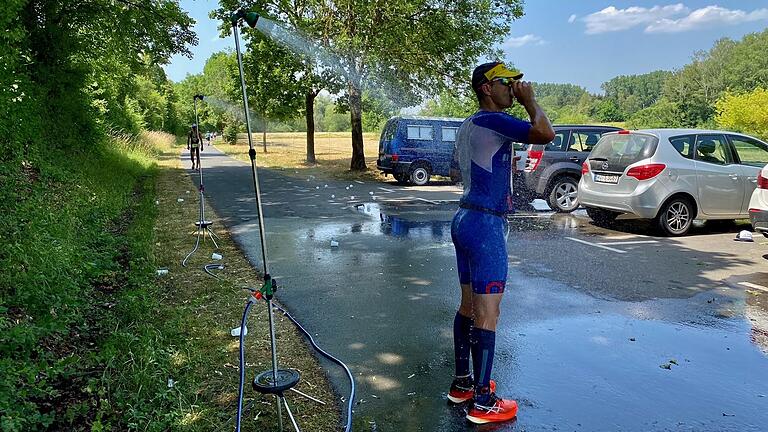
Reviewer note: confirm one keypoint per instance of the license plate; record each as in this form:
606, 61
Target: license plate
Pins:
602, 178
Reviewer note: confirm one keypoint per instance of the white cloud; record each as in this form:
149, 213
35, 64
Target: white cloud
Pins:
707, 16
571, 19
667, 19
529, 39
611, 19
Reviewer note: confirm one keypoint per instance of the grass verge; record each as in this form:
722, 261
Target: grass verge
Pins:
91, 339
287, 151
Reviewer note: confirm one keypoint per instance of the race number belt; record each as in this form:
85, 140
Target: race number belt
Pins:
469, 206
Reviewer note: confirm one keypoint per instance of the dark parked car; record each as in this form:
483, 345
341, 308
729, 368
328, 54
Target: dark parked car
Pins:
552, 171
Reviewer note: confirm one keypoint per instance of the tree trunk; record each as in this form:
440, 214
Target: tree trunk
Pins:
356, 113
264, 135
310, 107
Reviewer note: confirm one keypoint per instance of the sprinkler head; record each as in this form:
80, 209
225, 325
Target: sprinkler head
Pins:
250, 18
198, 96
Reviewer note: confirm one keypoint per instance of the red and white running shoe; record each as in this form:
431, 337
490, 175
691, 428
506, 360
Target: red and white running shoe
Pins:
463, 389
496, 410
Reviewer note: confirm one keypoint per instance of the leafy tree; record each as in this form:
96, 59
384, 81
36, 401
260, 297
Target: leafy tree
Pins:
662, 114
311, 77
388, 43
746, 67
272, 70
450, 103
696, 87
327, 117
559, 95
747, 113
631, 93
607, 110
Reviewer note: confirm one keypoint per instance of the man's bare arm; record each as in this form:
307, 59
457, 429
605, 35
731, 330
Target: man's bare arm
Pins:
541, 128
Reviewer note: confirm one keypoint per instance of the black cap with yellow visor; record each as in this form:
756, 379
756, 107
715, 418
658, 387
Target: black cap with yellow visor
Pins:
492, 71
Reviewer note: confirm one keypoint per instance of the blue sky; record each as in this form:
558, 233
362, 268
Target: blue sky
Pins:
584, 42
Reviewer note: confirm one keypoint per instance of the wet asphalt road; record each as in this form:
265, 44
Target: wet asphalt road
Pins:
601, 329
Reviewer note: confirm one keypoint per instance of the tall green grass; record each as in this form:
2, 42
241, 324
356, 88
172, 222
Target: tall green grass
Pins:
79, 345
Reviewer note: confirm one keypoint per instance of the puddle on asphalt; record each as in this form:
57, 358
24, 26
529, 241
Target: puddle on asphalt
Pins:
573, 361
627, 366
410, 222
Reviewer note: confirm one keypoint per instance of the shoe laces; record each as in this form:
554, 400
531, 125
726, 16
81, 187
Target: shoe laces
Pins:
493, 404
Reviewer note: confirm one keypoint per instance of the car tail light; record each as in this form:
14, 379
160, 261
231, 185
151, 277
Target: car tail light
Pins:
623, 132
534, 159
395, 157
762, 182
584, 168
645, 172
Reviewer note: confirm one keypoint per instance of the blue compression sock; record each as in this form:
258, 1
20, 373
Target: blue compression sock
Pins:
483, 343
461, 328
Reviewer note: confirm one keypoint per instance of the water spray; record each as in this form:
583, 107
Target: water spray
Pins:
275, 381
203, 225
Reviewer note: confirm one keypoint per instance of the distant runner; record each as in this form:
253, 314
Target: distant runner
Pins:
194, 145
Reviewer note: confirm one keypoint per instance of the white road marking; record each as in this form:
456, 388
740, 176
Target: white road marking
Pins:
628, 242
385, 189
359, 182
596, 245
427, 201
754, 286
623, 237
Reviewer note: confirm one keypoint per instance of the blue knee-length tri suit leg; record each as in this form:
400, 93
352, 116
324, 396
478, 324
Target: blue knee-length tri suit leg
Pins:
484, 154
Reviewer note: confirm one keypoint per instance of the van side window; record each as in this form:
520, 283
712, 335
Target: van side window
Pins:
683, 145
417, 132
449, 133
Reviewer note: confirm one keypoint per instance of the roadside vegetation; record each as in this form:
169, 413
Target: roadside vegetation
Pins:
90, 338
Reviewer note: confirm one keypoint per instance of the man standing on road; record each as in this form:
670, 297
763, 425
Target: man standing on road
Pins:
194, 145
484, 154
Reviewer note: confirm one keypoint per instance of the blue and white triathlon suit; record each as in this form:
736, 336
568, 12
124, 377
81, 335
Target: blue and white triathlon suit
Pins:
484, 155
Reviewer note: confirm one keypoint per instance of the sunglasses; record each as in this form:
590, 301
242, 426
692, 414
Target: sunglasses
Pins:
505, 81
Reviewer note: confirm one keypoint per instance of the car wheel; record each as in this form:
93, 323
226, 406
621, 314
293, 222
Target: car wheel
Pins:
675, 217
601, 216
562, 196
420, 175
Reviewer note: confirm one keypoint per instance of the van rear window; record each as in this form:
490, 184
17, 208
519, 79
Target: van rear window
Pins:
389, 131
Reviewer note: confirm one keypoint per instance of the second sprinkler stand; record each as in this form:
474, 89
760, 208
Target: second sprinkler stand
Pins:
203, 225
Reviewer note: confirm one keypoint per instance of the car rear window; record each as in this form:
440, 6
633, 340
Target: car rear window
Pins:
625, 149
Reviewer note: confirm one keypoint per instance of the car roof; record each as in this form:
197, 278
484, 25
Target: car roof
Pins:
665, 133
451, 119
573, 126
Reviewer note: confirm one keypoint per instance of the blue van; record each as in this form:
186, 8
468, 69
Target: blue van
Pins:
414, 148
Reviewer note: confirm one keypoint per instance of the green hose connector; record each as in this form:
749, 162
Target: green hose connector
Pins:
269, 288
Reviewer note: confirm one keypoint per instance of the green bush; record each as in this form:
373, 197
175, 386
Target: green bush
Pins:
230, 132
662, 114
747, 113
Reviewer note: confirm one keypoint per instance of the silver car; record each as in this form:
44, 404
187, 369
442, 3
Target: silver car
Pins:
671, 176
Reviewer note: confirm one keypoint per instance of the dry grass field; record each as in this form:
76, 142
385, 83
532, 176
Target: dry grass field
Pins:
288, 151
